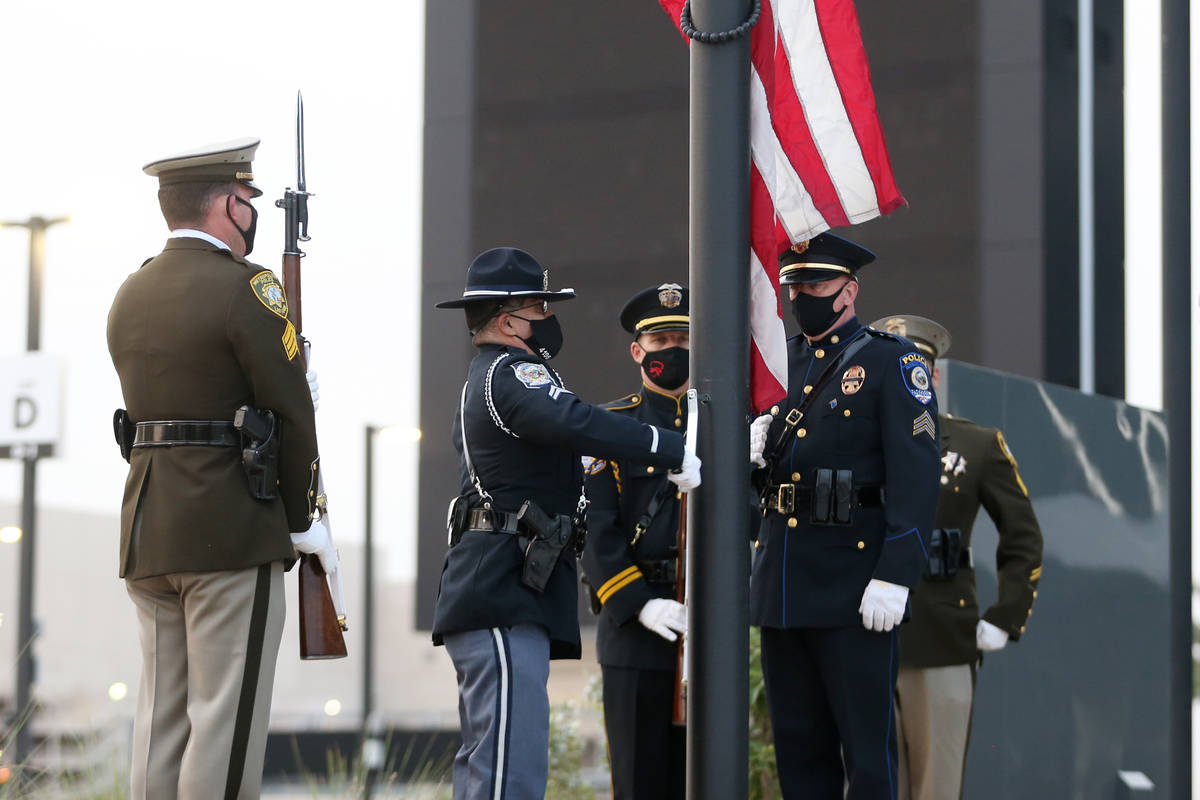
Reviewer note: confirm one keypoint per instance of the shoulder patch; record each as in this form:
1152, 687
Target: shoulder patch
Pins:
628, 401
534, 376
914, 370
268, 291
593, 466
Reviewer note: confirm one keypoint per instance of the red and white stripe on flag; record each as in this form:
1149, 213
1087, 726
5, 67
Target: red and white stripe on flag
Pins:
818, 156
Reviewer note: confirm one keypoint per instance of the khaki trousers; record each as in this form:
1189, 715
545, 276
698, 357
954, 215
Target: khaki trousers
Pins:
209, 643
933, 723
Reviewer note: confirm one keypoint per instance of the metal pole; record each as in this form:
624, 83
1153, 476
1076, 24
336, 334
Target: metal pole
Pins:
1087, 199
370, 747
1177, 374
23, 742
719, 556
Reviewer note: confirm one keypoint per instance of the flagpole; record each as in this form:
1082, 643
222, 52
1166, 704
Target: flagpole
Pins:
718, 566
1178, 300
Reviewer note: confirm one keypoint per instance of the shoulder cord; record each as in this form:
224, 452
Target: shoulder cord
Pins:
487, 395
462, 421
580, 507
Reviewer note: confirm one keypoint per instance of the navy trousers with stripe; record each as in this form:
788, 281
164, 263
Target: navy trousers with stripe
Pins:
504, 712
830, 695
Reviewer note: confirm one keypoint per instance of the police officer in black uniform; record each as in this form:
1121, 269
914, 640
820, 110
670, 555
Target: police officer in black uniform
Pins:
630, 560
850, 490
507, 600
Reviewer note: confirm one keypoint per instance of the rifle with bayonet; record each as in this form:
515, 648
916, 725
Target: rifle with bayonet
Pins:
322, 612
679, 702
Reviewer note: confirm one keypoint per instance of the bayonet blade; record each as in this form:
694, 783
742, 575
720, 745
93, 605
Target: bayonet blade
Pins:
300, 182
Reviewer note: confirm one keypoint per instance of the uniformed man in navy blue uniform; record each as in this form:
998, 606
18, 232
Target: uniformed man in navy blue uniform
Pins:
507, 600
850, 490
630, 560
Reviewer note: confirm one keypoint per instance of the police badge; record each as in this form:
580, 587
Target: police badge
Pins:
670, 295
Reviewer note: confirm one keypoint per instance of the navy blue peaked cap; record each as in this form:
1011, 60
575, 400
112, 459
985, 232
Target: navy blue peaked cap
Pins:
822, 258
504, 272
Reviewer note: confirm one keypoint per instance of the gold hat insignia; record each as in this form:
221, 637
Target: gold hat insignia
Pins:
670, 295
896, 325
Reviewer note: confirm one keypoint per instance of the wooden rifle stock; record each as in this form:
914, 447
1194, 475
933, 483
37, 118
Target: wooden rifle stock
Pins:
320, 630
679, 704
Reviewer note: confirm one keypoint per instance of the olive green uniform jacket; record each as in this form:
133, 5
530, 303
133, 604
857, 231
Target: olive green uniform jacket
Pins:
194, 334
977, 469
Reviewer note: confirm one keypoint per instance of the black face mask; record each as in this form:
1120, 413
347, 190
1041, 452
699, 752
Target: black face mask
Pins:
815, 314
545, 336
668, 367
248, 234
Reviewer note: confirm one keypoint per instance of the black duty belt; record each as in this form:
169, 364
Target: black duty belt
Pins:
788, 498
663, 571
481, 519
185, 432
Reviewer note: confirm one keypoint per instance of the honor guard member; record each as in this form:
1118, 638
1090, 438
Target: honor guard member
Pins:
849, 490
630, 560
197, 333
940, 647
507, 602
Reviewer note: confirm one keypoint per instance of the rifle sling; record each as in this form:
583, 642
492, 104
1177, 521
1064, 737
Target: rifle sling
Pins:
793, 418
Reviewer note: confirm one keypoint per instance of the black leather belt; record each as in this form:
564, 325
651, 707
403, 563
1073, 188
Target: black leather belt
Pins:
184, 432
663, 571
481, 519
788, 498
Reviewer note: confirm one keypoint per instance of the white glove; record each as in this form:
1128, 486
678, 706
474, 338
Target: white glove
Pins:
882, 605
316, 540
988, 637
758, 439
314, 388
688, 475
664, 617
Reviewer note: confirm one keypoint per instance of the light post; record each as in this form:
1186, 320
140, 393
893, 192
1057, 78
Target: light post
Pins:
23, 742
374, 749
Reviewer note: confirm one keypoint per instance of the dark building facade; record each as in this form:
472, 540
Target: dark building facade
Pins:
563, 129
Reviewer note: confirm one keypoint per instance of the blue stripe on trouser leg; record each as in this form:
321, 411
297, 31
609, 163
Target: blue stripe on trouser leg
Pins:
502, 676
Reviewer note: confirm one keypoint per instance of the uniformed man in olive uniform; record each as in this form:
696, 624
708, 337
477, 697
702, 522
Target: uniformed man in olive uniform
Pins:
197, 332
507, 602
940, 648
850, 495
630, 560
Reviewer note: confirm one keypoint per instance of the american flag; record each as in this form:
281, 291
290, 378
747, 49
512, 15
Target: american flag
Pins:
818, 156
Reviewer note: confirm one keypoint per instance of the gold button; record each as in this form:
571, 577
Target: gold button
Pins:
834, 340
679, 495
956, 489
792, 522
800, 434
650, 470
774, 410
861, 544
1035, 592
846, 413
310, 494
820, 353
962, 603
945, 480
1022, 629
807, 389
795, 476
1029, 613
757, 544
678, 422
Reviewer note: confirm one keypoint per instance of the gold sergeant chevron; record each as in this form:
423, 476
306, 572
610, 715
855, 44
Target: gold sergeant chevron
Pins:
925, 424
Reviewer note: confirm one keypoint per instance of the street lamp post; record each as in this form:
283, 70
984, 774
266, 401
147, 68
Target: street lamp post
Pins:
370, 745
23, 743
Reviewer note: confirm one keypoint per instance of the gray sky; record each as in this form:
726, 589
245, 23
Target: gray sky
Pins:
93, 91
